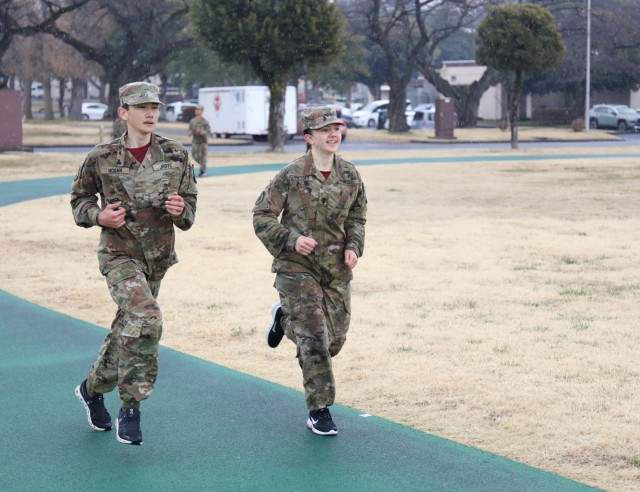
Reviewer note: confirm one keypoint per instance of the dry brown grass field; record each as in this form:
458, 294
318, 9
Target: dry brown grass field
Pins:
496, 304
64, 133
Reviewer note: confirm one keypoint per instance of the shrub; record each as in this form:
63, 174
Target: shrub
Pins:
577, 125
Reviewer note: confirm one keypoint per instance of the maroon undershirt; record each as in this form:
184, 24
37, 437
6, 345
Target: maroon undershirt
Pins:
140, 152
325, 174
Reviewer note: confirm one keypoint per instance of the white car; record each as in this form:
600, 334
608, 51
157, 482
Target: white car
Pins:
93, 110
37, 91
424, 116
369, 115
180, 111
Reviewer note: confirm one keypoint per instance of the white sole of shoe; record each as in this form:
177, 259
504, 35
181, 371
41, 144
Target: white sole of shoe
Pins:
124, 441
274, 310
320, 433
86, 408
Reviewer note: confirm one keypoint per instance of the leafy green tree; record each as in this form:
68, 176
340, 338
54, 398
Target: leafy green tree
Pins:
199, 66
519, 38
273, 37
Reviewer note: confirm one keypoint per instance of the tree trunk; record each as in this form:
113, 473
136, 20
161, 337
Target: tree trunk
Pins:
26, 98
467, 111
163, 94
61, 92
398, 106
276, 116
375, 90
513, 115
48, 100
75, 105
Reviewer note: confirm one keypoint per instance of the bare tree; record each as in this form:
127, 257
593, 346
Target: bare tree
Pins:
27, 17
140, 36
466, 97
408, 32
66, 63
22, 58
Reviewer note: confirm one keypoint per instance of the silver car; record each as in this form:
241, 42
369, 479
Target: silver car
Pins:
616, 116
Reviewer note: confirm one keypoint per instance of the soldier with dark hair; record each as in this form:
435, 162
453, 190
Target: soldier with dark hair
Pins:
311, 218
146, 187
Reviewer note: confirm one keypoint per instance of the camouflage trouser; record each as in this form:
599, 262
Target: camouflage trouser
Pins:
316, 317
199, 153
128, 357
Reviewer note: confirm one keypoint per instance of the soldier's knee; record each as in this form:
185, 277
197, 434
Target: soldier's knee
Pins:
144, 320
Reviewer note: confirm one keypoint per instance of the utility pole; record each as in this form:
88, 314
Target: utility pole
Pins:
587, 84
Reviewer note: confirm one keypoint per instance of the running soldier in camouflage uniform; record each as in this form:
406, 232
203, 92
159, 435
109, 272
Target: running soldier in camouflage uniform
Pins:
199, 131
315, 245
146, 186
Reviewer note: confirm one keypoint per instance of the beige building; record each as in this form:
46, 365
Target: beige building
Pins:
465, 72
634, 100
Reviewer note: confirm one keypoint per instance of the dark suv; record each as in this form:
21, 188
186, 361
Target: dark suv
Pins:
617, 116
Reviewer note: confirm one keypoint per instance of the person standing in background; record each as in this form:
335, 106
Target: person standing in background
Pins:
199, 131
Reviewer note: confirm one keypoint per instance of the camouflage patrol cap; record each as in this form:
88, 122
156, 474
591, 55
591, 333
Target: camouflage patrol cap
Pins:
316, 118
139, 93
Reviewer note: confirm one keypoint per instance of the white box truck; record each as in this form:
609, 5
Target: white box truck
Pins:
244, 110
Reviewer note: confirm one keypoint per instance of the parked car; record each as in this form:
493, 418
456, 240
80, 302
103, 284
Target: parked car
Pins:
93, 110
37, 91
339, 114
348, 120
424, 116
368, 116
345, 114
180, 111
617, 116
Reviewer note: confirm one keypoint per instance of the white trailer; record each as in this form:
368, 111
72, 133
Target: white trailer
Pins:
244, 110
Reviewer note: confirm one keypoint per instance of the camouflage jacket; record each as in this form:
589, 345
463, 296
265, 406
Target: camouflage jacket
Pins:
148, 236
332, 211
200, 130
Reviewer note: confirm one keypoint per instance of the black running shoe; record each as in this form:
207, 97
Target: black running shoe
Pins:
98, 417
320, 422
274, 330
128, 427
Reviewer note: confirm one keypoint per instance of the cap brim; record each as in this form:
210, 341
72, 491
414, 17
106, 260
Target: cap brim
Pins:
145, 101
336, 121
